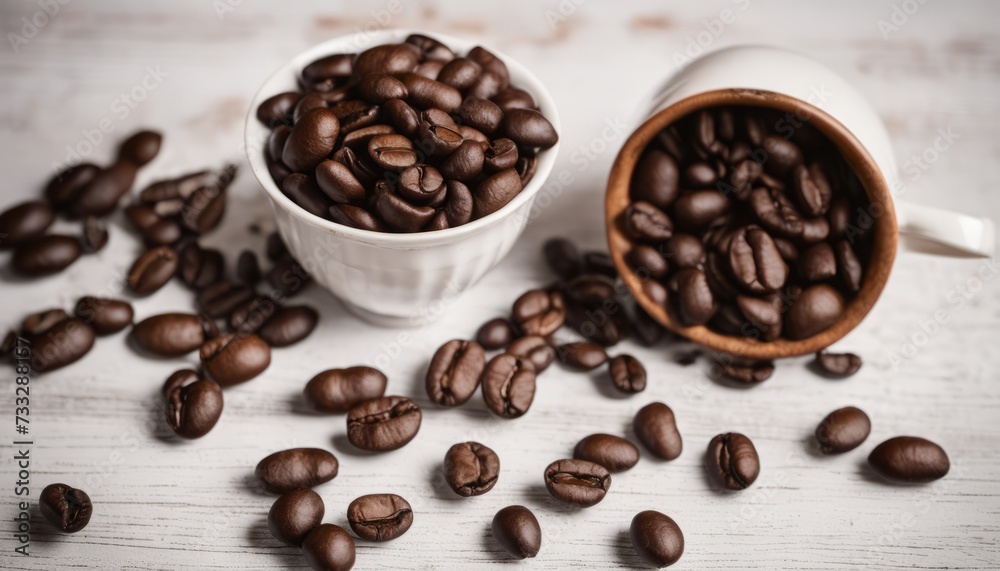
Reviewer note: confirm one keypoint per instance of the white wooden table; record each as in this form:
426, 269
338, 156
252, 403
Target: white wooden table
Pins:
164, 504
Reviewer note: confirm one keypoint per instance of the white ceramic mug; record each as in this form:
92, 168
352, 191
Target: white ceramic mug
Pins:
922, 229
395, 279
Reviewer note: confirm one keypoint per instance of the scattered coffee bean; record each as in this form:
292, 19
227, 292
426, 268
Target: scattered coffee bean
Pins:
200, 267
838, 364
329, 548
100, 195
289, 325
62, 344
24, 222
152, 270
539, 312
38, 323
656, 428
193, 409
340, 390
747, 372
222, 297
380, 517
627, 374
95, 235
248, 268
508, 385
65, 507
296, 468
843, 429
454, 373
613, 452
657, 538
577, 482
173, 334
231, 359
516, 530
910, 459
817, 308
534, 349
294, 515
63, 187
45, 255
383, 424
599, 263
495, 334
140, 148
732, 461
471, 469
581, 355
563, 258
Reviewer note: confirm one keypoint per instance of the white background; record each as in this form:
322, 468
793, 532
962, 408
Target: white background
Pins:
160, 503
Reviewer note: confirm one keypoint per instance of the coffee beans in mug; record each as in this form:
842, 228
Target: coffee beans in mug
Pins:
657, 538
45, 255
732, 461
656, 428
516, 529
627, 374
471, 469
173, 334
329, 548
340, 390
65, 507
577, 482
508, 385
910, 459
613, 452
454, 372
380, 517
838, 364
843, 429
193, 409
231, 358
296, 468
294, 515
383, 424
64, 343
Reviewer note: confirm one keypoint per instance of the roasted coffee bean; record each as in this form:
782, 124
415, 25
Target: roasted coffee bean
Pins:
562, 257
289, 325
231, 359
591, 289
606, 325
500, 154
65, 507
487, 85
199, 267
288, 277
453, 375
910, 459
140, 148
162, 232
152, 270
529, 128
466, 163
481, 114
62, 344
775, 212
398, 213
248, 268
815, 230
490, 63
627, 374
63, 188
684, 251
203, 210
277, 109
221, 298
421, 184
431, 49
848, 266
173, 334
336, 66
843, 429
534, 349
495, 192
380, 517
329, 548
782, 155
383, 424
539, 312
656, 428
392, 152
513, 98
181, 187
193, 409
577, 482
381, 87
495, 334
811, 189
694, 297
294, 515
45, 255
755, 261
428, 93
647, 330
24, 222
581, 355
732, 461
95, 235
106, 316
839, 217
471, 469
100, 196
356, 217
817, 263
339, 183
655, 179
613, 452
699, 175
296, 468
401, 116
516, 530
460, 73
817, 308
747, 372
694, 211
838, 364
340, 390
311, 140
508, 385
600, 263
647, 262
304, 191
657, 538
178, 379
647, 223
40, 322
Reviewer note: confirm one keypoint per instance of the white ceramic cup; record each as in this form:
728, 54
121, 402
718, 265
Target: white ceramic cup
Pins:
395, 279
922, 229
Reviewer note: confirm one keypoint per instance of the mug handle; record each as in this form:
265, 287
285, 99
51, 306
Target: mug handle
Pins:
944, 232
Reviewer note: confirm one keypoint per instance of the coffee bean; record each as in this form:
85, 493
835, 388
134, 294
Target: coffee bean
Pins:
839, 217
513, 98
471, 469
508, 385
647, 330
755, 261
647, 262
460, 73
289, 325
24, 222
453, 375
848, 266
603, 326
817, 263
140, 148
45, 255
562, 257
495, 334
699, 175
535, 349
199, 267
817, 308
381, 87
62, 344
577, 482
613, 452
775, 212
428, 93
335, 66
529, 128
231, 359
356, 218
516, 530
647, 223
495, 192
380, 517
591, 289
838, 364
65, 507
340, 390
277, 109
657, 538
38, 323
203, 210
656, 429
466, 163
221, 298
178, 379
782, 155
481, 114
294, 515
288, 277
811, 189
296, 468
655, 179
63, 187
627, 374
304, 191
910, 459
173, 334
101, 194
329, 548
421, 184
843, 430
248, 268
193, 409
695, 211
695, 301
94, 236
311, 140
106, 316
500, 154
152, 270
398, 213
748, 372
732, 461
599, 263
539, 312
581, 355
383, 424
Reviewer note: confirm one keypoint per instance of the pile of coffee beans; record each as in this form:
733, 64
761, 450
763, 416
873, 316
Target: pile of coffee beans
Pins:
747, 223
404, 137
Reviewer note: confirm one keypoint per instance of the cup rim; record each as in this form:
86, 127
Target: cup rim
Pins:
858, 159
255, 137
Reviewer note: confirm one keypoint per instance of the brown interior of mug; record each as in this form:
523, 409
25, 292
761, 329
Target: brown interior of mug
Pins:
883, 247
